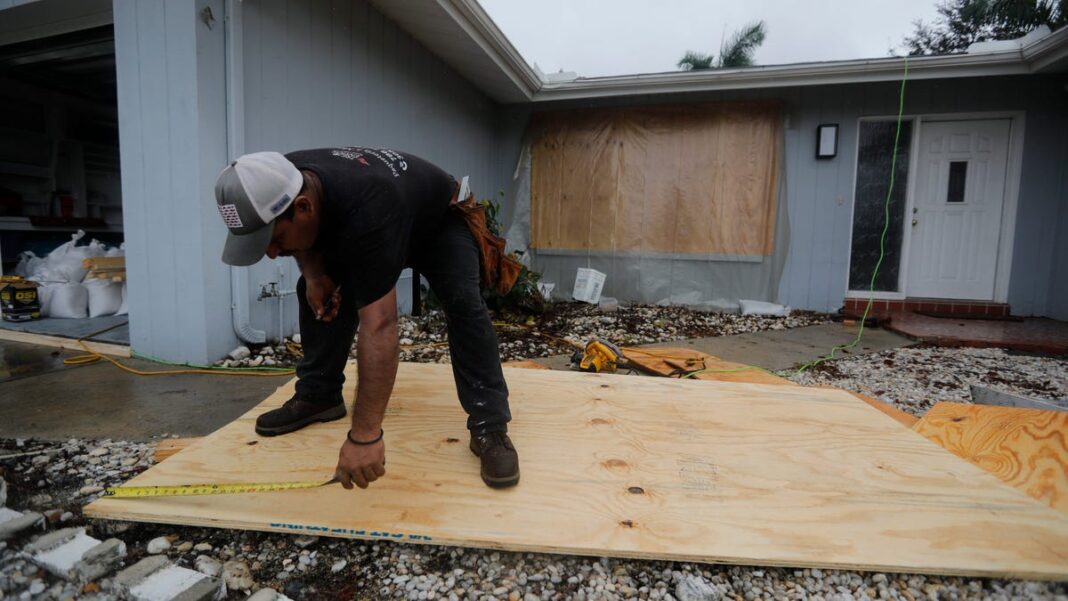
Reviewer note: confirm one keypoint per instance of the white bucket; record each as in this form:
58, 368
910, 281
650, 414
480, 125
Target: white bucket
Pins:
588, 285
404, 293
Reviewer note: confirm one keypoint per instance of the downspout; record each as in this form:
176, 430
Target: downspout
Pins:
239, 297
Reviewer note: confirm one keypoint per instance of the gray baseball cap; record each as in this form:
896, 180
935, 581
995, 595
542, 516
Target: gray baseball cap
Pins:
251, 192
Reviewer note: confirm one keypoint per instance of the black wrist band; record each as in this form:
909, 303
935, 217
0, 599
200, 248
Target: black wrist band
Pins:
381, 433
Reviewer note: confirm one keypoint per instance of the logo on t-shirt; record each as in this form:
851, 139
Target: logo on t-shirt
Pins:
393, 160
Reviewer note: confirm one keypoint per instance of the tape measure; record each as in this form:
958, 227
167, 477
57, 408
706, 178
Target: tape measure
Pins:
184, 490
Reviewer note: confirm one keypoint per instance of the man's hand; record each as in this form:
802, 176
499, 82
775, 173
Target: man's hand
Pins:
360, 464
324, 297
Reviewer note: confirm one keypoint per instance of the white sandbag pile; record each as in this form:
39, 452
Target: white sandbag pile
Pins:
63, 291
104, 296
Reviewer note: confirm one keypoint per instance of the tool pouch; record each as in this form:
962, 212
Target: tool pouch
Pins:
499, 269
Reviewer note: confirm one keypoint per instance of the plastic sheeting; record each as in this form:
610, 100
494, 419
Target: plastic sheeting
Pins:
676, 204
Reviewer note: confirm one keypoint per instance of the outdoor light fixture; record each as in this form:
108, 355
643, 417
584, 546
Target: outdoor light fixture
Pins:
827, 141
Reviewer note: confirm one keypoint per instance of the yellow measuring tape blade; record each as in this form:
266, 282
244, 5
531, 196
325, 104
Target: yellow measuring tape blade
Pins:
182, 490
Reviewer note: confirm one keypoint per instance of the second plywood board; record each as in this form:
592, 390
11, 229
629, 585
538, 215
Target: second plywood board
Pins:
635, 467
1026, 448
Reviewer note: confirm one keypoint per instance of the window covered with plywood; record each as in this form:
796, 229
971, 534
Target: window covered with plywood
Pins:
694, 179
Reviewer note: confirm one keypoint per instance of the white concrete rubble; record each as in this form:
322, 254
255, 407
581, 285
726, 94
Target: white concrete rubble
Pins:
157, 579
268, 594
14, 523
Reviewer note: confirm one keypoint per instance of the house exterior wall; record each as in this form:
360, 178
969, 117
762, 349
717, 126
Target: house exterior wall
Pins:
321, 73
171, 98
300, 74
819, 193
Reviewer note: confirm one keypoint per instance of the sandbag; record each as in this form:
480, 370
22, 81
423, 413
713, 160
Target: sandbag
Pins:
28, 264
755, 307
70, 300
124, 309
105, 297
44, 297
64, 263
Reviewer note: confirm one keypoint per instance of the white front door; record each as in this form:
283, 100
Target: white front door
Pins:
956, 215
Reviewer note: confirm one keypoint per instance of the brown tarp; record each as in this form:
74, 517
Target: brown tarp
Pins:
688, 179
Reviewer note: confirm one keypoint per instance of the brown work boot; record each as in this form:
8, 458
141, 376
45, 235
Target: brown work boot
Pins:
298, 412
500, 462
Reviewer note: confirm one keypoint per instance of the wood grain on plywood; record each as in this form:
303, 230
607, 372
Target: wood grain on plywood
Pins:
634, 467
1027, 448
524, 364
170, 446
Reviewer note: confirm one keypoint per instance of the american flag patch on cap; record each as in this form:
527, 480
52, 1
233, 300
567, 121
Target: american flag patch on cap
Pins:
230, 216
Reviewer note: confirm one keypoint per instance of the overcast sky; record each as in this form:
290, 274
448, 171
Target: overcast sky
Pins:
613, 37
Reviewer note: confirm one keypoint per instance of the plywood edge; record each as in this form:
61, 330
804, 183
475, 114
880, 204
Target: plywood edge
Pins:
168, 447
906, 419
103, 509
71, 344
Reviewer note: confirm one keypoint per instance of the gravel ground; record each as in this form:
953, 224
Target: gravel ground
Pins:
60, 480
915, 378
306, 567
563, 325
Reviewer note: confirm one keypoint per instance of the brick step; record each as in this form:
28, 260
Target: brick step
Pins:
883, 309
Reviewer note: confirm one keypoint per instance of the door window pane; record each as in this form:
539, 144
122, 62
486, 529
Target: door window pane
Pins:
958, 174
874, 156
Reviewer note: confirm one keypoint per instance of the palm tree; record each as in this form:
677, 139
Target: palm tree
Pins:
738, 52
692, 61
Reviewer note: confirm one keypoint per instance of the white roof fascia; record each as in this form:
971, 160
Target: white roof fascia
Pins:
1048, 50
474, 20
1026, 57
801, 74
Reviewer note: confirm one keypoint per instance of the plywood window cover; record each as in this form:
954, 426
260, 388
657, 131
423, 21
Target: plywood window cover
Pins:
635, 467
688, 179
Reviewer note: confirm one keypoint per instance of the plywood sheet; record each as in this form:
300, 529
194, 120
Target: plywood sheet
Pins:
635, 467
1027, 448
667, 360
905, 419
688, 179
71, 344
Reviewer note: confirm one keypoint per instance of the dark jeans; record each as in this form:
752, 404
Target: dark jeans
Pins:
449, 260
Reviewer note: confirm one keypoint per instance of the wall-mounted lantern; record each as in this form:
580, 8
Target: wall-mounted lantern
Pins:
827, 141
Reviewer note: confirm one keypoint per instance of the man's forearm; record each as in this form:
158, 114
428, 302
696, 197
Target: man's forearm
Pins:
376, 364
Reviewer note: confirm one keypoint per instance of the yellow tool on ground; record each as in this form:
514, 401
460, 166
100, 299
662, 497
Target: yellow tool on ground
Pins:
599, 356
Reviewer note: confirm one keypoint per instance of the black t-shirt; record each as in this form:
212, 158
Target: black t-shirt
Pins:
378, 205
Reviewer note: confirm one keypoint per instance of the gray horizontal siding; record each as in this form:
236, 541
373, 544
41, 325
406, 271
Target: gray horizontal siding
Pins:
338, 73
